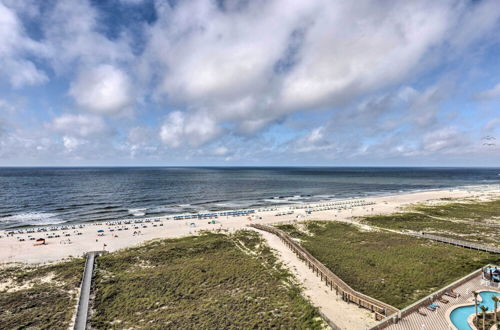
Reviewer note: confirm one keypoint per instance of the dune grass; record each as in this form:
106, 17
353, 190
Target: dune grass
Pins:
464, 221
211, 281
41, 297
471, 210
395, 268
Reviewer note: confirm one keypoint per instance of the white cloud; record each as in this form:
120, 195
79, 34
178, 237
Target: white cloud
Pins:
72, 143
240, 67
358, 47
221, 151
15, 48
447, 139
314, 140
141, 142
104, 89
83, 126
491, 93
72, 30
245, 66
193, 129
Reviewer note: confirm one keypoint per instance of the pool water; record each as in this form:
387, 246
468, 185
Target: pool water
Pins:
460, 315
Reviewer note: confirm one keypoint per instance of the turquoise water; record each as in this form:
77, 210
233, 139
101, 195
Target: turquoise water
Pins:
460, 315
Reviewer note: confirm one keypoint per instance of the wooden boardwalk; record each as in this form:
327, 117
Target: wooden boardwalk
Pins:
332, 281
460, 243
82, 310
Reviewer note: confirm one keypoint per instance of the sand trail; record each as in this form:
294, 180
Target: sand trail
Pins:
342, 314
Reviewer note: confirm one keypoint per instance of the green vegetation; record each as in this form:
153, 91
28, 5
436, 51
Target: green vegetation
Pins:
211, 281
476, 211
397, 269
465, 221
39, 297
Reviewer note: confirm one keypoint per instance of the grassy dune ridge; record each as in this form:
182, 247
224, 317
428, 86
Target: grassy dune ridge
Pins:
468, 210
207, 281
467, 221
41, 297
395, 268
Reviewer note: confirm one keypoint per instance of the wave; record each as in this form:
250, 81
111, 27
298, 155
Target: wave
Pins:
33, 218
165, 209
139, 212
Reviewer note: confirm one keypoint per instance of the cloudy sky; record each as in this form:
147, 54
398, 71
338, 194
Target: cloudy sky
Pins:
250, 82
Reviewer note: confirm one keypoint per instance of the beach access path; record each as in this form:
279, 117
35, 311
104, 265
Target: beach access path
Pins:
82, 311
342, 314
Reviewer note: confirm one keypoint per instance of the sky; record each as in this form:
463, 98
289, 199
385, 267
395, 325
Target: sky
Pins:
249, 82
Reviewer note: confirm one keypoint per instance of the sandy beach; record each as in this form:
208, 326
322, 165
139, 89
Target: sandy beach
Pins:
12, 250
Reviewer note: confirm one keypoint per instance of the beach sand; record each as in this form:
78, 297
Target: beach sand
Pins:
14, 251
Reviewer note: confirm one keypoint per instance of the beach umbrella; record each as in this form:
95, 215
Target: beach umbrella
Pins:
100, 231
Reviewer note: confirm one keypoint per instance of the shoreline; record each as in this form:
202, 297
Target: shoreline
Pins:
57, 248
132, 217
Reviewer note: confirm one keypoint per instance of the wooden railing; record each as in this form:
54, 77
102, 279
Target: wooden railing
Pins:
460, 243
379, 308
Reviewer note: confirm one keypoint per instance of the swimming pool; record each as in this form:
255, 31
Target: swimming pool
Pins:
460, 315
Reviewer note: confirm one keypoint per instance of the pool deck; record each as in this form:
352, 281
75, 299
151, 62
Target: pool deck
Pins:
440, 318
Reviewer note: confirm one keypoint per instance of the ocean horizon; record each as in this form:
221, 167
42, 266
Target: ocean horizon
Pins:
43, 196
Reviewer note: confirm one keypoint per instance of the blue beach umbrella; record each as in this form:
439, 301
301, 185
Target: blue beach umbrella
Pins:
100, 231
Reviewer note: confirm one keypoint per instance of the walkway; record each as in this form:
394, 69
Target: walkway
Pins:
342, 314
83, 302
460, 243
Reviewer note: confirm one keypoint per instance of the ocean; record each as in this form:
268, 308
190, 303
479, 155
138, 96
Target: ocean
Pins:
48, 196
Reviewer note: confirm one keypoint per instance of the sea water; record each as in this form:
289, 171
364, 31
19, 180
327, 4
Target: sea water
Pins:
45, 196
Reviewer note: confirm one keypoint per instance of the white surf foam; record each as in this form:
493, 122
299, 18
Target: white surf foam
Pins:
34, 218
165, 209
138, 212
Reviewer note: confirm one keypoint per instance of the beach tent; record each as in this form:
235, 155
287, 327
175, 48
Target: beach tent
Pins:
40, 241
100, 231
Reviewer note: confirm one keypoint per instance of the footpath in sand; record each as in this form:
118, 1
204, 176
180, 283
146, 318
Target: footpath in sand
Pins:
342, 314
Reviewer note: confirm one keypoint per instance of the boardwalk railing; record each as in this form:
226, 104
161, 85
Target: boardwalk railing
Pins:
348, 294
460, 243
425, 301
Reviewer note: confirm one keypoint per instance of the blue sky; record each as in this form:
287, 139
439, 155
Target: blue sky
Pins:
238, 82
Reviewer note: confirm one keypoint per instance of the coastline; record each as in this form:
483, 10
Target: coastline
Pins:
67, 214
14, 251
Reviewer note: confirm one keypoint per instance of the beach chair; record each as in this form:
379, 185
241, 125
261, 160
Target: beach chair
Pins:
431, 308
451, 294
421, 313
444, 301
